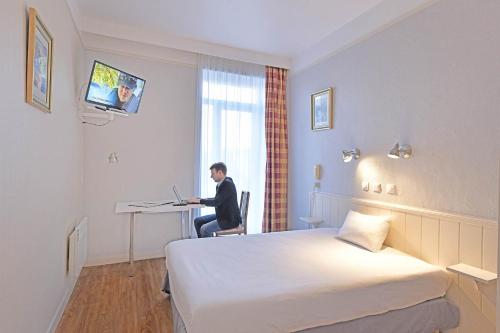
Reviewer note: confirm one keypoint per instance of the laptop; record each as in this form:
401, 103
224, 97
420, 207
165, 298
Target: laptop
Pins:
180, 202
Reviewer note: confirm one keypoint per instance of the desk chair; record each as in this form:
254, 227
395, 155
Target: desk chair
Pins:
242, 228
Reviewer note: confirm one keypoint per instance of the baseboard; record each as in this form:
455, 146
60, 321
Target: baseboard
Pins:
95, 262
62, 306
106, 260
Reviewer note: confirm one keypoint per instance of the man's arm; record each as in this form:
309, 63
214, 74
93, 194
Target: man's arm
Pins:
222, 195
198, 200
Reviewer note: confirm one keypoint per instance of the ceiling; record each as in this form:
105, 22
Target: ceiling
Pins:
279, 28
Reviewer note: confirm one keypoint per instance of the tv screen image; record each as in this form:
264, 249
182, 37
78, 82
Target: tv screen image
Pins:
114, 89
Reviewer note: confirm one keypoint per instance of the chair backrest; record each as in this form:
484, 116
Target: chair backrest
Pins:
245, 198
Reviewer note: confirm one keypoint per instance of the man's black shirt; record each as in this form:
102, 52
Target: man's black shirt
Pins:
226, 204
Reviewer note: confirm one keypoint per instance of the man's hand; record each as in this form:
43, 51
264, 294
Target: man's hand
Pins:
194, 200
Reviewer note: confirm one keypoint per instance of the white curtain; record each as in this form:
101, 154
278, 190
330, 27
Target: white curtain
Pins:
230, 129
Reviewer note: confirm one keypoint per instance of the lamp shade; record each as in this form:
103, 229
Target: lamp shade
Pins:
398, 151
349, 155
394, 152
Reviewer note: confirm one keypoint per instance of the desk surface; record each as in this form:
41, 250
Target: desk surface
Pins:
127, 207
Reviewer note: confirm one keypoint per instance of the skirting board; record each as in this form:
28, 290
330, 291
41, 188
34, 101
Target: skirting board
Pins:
77, 252
115, 259
62, 305
94, 262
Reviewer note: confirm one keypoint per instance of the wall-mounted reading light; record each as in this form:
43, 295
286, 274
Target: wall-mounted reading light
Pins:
398, 151
349, 155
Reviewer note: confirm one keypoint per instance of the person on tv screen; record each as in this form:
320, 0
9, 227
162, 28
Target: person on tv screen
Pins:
123, 97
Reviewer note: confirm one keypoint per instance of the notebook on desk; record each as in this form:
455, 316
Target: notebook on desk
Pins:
179, 202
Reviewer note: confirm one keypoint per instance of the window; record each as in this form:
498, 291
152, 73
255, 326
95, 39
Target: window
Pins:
232, 131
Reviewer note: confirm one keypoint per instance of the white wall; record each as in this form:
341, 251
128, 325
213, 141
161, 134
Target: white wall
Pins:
41, 170
432, 81
155, 149
498, 257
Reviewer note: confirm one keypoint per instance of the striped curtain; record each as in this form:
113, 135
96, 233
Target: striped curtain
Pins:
275, 198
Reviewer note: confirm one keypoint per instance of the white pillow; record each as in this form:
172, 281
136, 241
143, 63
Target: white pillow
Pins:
368, 231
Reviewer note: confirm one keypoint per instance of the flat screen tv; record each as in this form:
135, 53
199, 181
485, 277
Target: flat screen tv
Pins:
111, 88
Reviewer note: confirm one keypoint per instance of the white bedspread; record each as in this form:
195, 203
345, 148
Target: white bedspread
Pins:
289, 281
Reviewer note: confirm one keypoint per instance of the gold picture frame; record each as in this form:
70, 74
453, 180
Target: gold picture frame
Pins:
38, 63
322, 103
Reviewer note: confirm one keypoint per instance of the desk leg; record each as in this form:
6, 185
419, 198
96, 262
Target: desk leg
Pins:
131, 245
190, 223
183, 226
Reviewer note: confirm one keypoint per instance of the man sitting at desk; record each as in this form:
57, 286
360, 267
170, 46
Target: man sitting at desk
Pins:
227, 213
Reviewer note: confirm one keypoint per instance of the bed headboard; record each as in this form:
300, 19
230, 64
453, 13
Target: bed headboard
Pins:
439, 238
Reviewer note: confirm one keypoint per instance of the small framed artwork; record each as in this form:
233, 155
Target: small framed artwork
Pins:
38, 63
322, 109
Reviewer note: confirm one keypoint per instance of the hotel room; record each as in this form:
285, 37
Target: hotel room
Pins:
362, 146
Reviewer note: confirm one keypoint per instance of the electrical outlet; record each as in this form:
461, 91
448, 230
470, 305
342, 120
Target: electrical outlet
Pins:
391, 189
365, 185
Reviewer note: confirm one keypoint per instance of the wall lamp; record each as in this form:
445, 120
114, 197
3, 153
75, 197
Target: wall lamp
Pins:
398, 151
113, 158
349, 155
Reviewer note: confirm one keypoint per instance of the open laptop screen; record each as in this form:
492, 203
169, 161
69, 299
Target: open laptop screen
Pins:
177, 195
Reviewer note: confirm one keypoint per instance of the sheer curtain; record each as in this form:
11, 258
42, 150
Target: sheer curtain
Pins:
230, 129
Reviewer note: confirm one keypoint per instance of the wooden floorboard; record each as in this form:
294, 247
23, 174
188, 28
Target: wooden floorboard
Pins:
106, 300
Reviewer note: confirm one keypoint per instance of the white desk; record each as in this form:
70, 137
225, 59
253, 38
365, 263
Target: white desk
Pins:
128, 207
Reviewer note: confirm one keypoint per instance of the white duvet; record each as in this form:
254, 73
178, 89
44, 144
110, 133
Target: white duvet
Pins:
290, 281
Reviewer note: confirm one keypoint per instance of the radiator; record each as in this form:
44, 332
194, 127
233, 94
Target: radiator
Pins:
77, 249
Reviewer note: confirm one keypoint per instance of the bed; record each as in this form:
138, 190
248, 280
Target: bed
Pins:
302, 281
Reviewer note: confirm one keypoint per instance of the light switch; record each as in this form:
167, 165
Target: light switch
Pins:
377, 187
365, 185
390, 189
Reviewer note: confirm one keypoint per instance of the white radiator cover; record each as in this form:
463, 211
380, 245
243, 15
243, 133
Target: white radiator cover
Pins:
77, 249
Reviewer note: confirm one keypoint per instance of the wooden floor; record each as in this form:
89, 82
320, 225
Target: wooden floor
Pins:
106, 299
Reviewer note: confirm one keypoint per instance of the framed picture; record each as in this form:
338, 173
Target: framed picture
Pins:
322, 109
38, 64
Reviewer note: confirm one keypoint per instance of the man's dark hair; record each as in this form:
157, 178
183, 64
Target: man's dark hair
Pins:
219, 166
